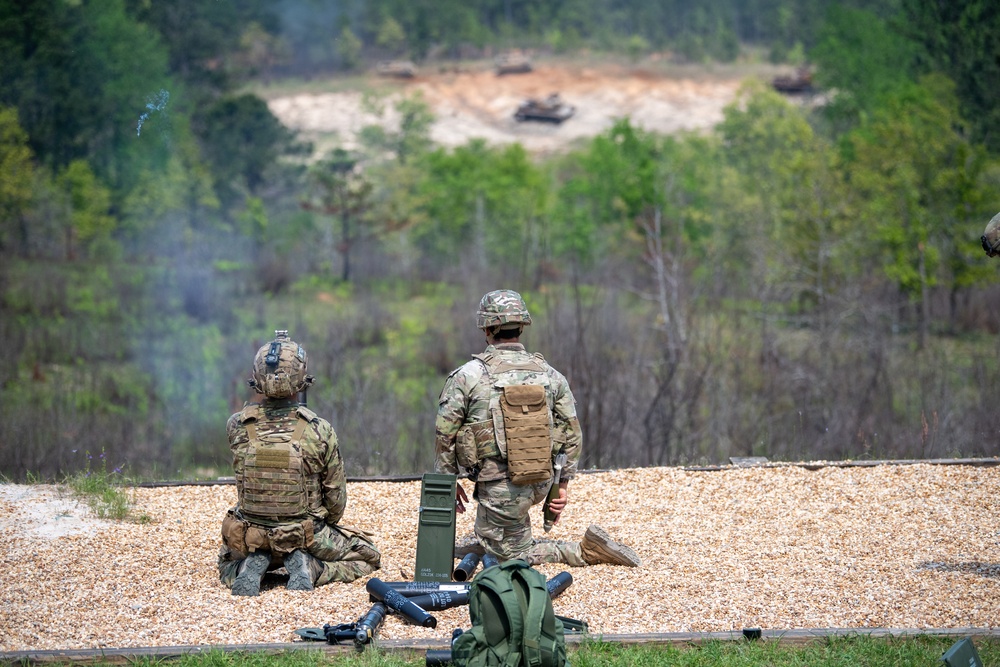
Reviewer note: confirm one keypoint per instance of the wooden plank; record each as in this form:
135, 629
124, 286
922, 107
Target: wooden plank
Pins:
802, 636
745, 462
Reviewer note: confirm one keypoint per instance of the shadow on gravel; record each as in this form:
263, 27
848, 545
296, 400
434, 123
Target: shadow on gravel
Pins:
972, 567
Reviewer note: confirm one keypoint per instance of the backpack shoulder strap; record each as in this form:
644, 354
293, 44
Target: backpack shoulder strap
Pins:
535, 616
499, 581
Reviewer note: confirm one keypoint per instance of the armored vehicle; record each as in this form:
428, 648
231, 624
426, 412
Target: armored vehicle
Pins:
800, 82
512, 63
402, 69
548, 110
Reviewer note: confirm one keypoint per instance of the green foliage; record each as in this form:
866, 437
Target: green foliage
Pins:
912, 167
959, 39
784, 256
788, 206
636, 47
242, 141
349, 49
391, 36
78, 74
102, 490
89, 205
202, 38
413, 135
341, 191
863, 58
17, 172
480, 204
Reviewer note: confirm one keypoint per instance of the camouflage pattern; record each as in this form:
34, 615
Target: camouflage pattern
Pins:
503, 524
502, 306
279, 368
346, 554
344, 557
504, 527
468, 395
991, 237
318, 448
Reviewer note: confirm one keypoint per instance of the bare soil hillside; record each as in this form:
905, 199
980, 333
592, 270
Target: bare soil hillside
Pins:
477, 103
890, 546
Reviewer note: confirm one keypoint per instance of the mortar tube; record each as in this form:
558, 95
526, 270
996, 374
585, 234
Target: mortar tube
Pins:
397, 602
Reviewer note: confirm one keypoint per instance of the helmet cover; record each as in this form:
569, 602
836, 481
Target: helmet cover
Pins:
502, 306
279, 368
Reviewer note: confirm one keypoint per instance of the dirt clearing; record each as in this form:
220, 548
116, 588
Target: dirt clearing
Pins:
477, 103
908, 546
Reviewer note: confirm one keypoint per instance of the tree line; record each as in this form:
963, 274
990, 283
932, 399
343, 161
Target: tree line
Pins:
801, 282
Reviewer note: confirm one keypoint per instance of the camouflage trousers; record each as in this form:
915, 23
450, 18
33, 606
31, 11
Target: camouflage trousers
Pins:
503, 526
344, 553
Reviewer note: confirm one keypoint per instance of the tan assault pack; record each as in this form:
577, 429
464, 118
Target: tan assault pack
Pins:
518, 402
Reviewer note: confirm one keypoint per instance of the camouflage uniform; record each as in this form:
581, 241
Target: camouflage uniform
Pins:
291, 492
345, 553
503, 526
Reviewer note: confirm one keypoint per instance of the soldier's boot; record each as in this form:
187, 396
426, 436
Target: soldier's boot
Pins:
303, 570
250, 573
598, 547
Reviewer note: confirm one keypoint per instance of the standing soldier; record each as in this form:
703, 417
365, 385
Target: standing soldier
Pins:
290, 484
503, 417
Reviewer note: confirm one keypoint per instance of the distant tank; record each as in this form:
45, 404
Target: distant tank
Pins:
800, 82
512, 63
401, 69
548, 110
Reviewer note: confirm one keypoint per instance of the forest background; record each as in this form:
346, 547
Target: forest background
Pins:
800, 282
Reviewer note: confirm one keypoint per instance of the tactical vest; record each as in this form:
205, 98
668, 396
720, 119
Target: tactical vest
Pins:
521, 417
275, 485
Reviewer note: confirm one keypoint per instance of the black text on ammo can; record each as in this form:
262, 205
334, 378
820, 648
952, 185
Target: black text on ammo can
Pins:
436, 528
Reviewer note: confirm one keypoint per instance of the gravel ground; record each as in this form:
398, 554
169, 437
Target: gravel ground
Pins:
891, 546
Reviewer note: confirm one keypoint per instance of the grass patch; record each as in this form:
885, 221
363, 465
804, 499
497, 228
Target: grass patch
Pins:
854, 651
104, 491
859, 651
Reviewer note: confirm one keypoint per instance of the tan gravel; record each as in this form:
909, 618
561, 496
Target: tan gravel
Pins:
908, 546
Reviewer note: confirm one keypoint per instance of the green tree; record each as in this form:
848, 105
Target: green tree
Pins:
863, 58
413, 136
391, 36
349, 49
788, 205
481, 205
340, 190
204, 38
605, 188
17, 177
914, 170
960, 39
242, 141
89, 202
260, 51
79, 74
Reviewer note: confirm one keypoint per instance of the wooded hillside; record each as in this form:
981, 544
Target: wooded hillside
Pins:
802, 281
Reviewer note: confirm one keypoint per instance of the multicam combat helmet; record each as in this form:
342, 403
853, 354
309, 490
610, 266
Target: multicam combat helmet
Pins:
279, 368
502, 306
991, 237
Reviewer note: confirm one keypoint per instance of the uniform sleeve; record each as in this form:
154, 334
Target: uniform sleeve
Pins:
568, 434
452, 409
237, 434
333, 481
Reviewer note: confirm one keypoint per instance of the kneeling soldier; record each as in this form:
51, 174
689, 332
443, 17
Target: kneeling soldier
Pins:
290, 484
504, 417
